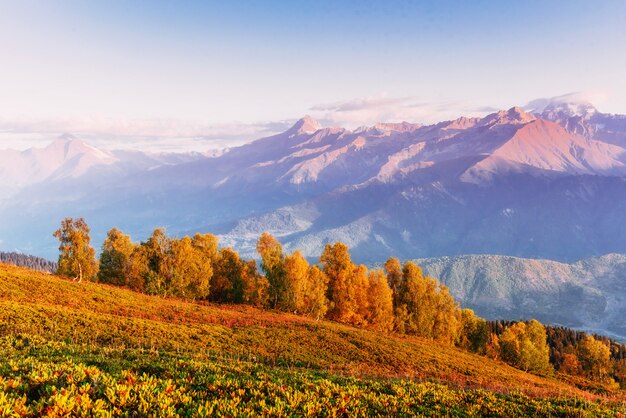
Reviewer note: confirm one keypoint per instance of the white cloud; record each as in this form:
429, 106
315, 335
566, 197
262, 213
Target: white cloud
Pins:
144, 134
593, 97
371, 110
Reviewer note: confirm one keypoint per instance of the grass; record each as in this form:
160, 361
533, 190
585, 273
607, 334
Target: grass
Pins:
185, 358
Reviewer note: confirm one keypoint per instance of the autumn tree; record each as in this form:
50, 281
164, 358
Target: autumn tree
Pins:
156, 251
337, 265
273, 265
473, 331
237, 281
380, 302
393, 269
255, 286
594, 357
77, 258
189, 270
296, 269
524, 345
315, 302
115, 258
360, 282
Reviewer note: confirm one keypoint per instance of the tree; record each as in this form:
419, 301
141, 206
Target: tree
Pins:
77, 258
314, 295
336, 264
226, 277
416, 304
473, 331
190, 270
360, 282
157, 254
570, 365
296, 268
524, 345
393, 268
255, 286
380, 302
273, 265
594, 357
115, 258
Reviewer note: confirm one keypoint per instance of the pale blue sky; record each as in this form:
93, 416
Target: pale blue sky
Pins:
193, 68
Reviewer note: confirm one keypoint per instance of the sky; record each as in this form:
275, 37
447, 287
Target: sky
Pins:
180, 75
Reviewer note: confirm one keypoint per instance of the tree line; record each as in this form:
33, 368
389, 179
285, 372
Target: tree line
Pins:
28, 261
571, 352
398, 298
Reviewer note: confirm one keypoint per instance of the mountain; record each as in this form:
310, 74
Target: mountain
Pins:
66, 157
589, 294
515, 182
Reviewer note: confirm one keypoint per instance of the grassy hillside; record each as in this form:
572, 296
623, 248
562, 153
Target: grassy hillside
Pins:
89, 347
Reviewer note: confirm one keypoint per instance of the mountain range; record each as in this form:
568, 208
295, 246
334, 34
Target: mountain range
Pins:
547, 182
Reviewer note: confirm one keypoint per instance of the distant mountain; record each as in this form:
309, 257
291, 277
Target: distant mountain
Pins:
589, 294
522, 183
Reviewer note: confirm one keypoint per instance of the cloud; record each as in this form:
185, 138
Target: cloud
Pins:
371, 110
365, 103
578, 97
166, 135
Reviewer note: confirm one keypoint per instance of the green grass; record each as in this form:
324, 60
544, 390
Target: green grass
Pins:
101, 349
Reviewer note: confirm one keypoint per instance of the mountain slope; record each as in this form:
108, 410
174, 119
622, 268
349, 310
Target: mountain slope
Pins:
588, 294
99, 330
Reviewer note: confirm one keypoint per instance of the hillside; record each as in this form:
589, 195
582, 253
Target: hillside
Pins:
588, 294
110, 345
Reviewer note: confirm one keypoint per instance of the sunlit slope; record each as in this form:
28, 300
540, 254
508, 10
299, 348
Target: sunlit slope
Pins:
105, 316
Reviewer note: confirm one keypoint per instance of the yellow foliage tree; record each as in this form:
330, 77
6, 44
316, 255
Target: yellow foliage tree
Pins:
77, 258
273, 265
524, 345
295, 276
338, 267
115, 258
594, 357
314, 294
380, 302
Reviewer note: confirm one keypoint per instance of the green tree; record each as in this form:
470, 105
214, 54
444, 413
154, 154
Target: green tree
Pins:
115, 258
77, 258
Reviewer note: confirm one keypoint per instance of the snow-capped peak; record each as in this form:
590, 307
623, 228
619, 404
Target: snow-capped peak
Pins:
584, 110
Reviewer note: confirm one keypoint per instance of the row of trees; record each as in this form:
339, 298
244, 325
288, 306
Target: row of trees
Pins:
398, 298
28, 261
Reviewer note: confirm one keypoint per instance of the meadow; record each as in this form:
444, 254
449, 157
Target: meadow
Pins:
86, 349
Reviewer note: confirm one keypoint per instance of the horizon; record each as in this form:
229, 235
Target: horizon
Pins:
186, 144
